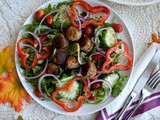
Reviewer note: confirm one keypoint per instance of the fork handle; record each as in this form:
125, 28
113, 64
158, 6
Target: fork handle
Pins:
128, 102
135, 108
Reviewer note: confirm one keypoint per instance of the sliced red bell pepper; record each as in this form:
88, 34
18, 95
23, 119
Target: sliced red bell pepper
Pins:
109, 59
86, 6
24, 56
47, 49
67, 87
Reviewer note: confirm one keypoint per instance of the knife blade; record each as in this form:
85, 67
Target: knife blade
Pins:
142, 80
146, 73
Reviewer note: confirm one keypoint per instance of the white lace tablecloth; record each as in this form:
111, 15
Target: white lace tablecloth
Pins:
141, 21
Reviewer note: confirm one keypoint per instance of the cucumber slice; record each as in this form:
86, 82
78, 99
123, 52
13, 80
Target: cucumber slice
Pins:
72, 94
112, 78
109, 37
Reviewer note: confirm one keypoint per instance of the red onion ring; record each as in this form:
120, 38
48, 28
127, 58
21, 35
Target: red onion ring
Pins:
79, 21
87, 16
104, 81
63, 23
95, 41
29, 78
37, 38
41, 27
83, 19
41, 79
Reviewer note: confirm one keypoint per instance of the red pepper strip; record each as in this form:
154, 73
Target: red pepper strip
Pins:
67, 87
43, 38
24, 56
47, 49
96, 9
117, 65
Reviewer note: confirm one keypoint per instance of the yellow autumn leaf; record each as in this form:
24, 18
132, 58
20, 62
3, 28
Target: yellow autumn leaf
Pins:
11, 90
6, 62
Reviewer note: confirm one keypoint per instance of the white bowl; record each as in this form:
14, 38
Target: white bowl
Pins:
86, 108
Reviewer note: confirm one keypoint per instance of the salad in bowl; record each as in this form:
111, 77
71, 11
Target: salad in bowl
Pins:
71, 55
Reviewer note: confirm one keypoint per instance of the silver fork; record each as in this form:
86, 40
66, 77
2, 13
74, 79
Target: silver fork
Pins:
152, 83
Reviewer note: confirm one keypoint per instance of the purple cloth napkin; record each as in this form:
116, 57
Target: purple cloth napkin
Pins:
150, 102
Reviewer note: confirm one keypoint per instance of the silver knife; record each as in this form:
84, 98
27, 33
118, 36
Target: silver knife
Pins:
142, 80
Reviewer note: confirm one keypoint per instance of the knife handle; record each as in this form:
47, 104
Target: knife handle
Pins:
128, 102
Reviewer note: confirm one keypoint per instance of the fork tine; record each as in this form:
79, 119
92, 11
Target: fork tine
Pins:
156, 83
153, 76
154, 80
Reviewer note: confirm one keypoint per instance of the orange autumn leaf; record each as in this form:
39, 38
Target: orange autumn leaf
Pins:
154, 39
6, 62
11, 90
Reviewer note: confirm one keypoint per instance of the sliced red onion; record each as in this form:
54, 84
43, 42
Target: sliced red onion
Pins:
83, 19
41, 79
88, 80
87, 16
104, 81
41, 27
37, 76
37, 38
63, 23
79, 21
95, 41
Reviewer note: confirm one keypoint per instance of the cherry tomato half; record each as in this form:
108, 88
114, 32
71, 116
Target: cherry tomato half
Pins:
96, 85
97, 57
39, 14
88, 31
49, 19
37, 93
117, 27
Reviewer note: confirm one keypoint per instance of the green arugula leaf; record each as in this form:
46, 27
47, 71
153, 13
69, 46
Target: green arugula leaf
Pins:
119, 86
20, 118
48, 9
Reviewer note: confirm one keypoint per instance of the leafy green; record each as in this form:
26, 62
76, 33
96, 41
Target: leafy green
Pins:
28, 73
119, 86
37, 69
34, 82
20, 118
51, 36
117, 58
31, 27
48, 42
48, 9
57, 23
60, 4
47, 85
102, 95
68, 77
